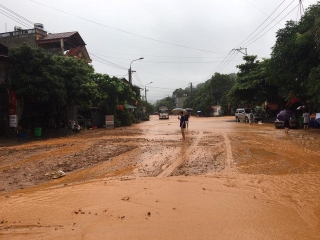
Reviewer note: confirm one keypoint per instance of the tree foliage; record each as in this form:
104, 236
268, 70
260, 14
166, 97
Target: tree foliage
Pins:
252, 86
43, 77
210, 93
170, 102
112, 93
295, 58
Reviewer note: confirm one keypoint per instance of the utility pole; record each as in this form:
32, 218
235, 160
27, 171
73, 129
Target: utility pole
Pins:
191, 88
145, 91
239, 50
130, 71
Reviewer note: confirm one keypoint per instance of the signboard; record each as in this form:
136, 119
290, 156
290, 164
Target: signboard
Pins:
13, 121
109, 121
12, 110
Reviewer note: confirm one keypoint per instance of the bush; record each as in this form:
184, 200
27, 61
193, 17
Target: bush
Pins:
124, 117
145, 118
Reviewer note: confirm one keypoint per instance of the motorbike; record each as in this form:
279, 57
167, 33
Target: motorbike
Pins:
74, 126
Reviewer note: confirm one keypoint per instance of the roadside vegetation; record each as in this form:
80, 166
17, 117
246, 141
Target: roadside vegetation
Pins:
293, 71
51, 84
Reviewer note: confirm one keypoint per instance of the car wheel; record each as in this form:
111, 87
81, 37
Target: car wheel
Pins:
237, 119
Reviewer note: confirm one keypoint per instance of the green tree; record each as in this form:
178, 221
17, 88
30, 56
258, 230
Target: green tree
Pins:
252, 86
170, 102
295, 57
47, 83
113, 93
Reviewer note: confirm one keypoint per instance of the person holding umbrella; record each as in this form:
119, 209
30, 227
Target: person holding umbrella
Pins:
285, 116
182, 124
286, 126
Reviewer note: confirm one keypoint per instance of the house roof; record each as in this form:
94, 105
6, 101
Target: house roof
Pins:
71, 38
75, 52
125, 81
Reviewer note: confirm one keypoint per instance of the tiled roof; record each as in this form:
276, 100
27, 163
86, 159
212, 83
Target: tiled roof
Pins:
72, 38
58, 35
74, 51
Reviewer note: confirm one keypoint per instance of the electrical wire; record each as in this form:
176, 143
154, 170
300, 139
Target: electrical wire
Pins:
249, 43
228, 58
270, 23
16, 14
228, 61
127, 32
107, 62
261, 23
12, 17
147, 55
261, 11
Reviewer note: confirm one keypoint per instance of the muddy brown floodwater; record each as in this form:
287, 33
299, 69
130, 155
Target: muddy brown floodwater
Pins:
228, 180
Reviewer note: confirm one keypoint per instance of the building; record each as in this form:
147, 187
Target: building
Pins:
180, 101
5, 96
69, 44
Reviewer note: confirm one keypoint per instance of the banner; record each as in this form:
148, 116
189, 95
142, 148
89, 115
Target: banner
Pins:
109, 121
13, 121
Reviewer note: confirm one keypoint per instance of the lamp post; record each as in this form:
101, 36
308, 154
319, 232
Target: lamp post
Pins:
130, 72
145, 91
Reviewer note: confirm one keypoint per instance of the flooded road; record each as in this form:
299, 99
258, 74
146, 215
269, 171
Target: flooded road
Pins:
227, 180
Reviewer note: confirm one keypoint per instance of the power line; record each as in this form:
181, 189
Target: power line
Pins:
261, 11
135, 54
228, 59
221, 63
12, 17
107, 62
123, 31
181, 62
270, 23
16, 14
249, 43
262, 23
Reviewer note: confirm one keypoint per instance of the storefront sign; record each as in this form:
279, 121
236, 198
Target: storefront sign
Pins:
109, 121
13, 120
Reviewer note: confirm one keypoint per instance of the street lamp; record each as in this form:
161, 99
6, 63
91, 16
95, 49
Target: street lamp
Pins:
145, 91
130, 72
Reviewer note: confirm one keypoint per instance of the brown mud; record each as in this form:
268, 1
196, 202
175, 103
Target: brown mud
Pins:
228, 180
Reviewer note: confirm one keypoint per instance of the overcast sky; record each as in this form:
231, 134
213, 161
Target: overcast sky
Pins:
182, 41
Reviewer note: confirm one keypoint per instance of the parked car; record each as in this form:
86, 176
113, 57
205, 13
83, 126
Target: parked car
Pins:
84, 122
242, 114
280, 124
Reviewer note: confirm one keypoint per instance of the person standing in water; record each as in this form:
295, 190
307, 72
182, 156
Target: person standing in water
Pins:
182, 125
187, 116
306, 120
286, 126
251, 117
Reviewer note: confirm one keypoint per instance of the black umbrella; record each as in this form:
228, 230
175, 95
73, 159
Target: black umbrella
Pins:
284, 115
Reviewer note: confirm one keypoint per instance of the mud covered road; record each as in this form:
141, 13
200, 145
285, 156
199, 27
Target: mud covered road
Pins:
253, 179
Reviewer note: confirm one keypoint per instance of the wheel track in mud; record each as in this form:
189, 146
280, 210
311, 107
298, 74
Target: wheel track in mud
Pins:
182, 158
228, 149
